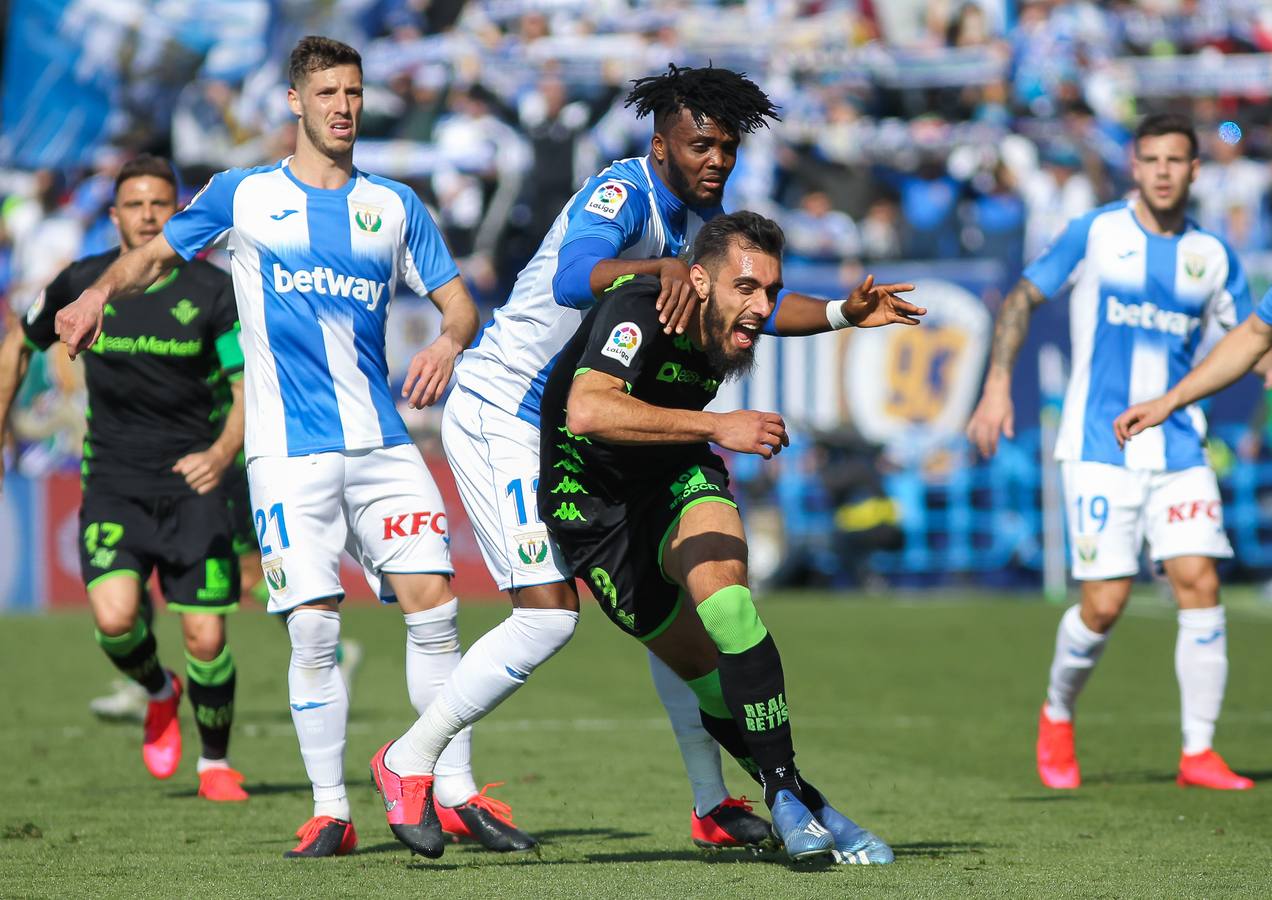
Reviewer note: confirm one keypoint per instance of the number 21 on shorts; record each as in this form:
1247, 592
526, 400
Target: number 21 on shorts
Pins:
278, 521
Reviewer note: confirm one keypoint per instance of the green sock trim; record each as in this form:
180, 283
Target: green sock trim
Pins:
120, 645
710, 695
731, 620
212, 673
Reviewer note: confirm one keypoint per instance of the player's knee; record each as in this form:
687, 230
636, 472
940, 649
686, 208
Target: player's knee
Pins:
115, 619
1100, 611
206, 645
540, 635
1195, 581
731, 619
315, 634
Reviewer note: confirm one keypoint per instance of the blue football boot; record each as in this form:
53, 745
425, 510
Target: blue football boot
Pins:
854, 845
798, 829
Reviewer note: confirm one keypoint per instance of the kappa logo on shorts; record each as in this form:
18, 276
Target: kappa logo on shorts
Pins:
623, 343
1189, 510
532, 548
607, 199
396, 527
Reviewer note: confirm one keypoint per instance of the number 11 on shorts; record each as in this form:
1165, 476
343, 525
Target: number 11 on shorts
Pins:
518, 494
280, 528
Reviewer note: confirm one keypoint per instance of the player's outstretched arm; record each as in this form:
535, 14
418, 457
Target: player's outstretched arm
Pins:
203, 470
870, 305
600, 407
78, 324
15, 354
431, 368
994, 414
1238, 353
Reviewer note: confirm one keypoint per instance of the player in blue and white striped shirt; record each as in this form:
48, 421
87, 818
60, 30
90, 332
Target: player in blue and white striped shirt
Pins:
1147, 285
317, 248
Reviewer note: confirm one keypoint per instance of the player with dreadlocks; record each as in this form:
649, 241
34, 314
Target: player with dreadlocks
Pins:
636, 217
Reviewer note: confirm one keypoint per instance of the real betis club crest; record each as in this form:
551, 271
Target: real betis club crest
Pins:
367, 218
185, 311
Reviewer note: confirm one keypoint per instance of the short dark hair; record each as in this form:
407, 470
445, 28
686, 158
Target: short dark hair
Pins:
313, 53
753, 231
1168, 123
146, 165
730, 99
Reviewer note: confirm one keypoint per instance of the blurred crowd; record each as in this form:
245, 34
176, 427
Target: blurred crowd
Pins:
911, 129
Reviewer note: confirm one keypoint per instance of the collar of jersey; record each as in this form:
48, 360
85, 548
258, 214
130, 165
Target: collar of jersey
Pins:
342, 191
670, 207
1189, 225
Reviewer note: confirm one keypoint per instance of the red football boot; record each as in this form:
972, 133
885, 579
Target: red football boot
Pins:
487, 820
1207, 769
1057, 761
161, 746
324, 836
408, 805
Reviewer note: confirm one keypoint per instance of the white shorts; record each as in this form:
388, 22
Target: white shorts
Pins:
381, 505
1111, 510
495, 459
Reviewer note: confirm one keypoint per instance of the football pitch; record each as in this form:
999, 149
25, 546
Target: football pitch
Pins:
915, 717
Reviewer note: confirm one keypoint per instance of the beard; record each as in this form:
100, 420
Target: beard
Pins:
318, 137
725, 358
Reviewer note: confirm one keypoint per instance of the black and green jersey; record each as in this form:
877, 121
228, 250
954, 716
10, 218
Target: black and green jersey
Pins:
622, 337
151, 375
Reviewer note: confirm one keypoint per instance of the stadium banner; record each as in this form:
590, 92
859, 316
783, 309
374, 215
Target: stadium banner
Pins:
39, 562
50, 66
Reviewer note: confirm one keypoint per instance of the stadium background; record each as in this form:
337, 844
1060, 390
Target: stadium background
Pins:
943, 142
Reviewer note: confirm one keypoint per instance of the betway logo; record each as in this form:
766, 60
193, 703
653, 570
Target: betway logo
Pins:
321, 280
1150, 317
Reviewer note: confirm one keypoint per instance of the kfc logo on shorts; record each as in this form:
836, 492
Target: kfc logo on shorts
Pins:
413, 523
1187, 511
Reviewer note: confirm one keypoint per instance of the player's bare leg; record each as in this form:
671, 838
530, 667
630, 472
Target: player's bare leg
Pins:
320, 710
1080, 640
1201, 665
211, 680
116, 601
706, 553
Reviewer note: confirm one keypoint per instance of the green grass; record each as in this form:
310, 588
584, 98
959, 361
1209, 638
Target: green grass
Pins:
917, 718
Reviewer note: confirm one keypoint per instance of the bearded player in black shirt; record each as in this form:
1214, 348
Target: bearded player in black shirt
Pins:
154, 456
640, 505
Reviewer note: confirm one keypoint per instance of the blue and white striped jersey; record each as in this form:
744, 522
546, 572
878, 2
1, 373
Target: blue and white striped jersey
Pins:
314, 273
626, 206
1140, 305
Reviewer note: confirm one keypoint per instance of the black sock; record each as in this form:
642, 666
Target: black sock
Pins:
136, 655
725, 733
755, 691
211, 687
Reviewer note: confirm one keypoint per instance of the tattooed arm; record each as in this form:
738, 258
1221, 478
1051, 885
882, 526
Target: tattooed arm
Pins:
994, 414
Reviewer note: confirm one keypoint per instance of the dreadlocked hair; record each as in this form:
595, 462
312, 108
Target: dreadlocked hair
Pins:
730, 99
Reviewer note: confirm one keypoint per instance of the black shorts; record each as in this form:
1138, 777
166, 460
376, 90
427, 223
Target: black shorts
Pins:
188, 539
242, 527
617, 548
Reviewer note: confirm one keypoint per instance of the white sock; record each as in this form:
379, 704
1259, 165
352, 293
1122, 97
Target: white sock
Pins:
697, 748
1201, 664
320, 706
204, 764
432, 653
1078, 649
492, 669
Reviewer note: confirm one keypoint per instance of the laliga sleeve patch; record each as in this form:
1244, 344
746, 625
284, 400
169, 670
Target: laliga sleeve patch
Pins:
623, 342
607, 199
36, 308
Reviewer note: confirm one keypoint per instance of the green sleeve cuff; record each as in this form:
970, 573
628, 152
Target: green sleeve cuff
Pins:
230, 351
